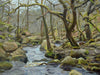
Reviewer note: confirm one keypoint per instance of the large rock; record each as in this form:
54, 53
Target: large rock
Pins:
5, 66
3, 55
44, 45
19, 55
10, 46
78, 53
69, 61
35, 39
25, 40
74, 72
59, 52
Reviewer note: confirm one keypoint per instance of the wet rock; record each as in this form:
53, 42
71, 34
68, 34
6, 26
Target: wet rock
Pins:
93, 44
78, 53
59, 52
74, 72
54, 61
69, 61
97, 39
44, 45
50, 54
82, 61
66, 45
10, 46
5, 66
34, 40
19, 55
3, 55
2, 37
25, 40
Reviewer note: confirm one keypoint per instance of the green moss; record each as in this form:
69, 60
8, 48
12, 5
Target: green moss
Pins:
82, 61
50, 54
5, 65
1, 44
54, 61
66, 45
75, 47
10, 36
10, 28
2, 37
94, 68
94, 64
86, 52
18, 43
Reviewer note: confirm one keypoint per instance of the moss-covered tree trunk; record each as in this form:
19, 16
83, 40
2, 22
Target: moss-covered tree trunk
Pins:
46, 29
51, 23
18, 29
27, 23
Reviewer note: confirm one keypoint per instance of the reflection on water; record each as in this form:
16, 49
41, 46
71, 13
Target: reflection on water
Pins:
33, 67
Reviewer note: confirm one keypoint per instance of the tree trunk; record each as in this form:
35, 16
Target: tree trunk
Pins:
27, 23
46, 29
69, 34
51, 23
88, 32
71, 39
42, 27
18, 22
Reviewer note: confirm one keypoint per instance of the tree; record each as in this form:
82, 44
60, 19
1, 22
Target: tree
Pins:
46, 29
18, 27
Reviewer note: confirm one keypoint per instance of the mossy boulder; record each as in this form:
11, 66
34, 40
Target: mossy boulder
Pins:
66, 45
74, 72
59, 52
93, 44
35, 39
54, 61
21, 58
50, 54
44, 45
3, 56
77, 53
25, 40
82, 61
19, 55
2, 37
69, 61
97, 39
10, 46
5, 66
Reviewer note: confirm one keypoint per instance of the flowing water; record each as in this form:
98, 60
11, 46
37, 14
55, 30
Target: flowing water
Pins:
33, 67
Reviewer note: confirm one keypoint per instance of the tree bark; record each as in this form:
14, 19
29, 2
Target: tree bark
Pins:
46, 29
51, 23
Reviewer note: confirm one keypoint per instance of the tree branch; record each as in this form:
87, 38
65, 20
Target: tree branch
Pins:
5, 3
41, 5
82, 4
42, 15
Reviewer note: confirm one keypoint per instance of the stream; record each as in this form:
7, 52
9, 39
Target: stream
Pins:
33, 67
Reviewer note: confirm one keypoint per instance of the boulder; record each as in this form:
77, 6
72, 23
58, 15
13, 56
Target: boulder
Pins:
5, 66
25, 40
10, 46
82, 61
3, 55
59, 52
74, 72
44, 45
19, 55
78, 53
69, 61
